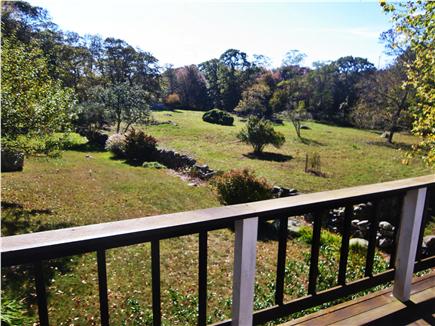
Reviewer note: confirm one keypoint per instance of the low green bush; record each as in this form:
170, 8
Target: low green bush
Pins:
218, 117
140, 147
14, 312
259, 133
50, 145
241, 186
326, 237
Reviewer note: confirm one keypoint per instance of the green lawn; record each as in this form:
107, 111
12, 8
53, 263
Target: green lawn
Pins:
90, 187
348, 156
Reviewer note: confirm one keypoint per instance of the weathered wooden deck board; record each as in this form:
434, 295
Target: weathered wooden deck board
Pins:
381, 308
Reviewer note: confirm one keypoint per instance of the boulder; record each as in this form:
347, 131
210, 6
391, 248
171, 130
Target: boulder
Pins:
358, 242
385, 134
279, 192
304, 127
354, 223
12, 160
362, 211
294, 228
363, 225
276, 190
386, 233
386, 229
385, 243
428, 245
358, 234
384, 225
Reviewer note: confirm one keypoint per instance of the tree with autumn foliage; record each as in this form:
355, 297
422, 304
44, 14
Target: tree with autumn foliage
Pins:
414, 21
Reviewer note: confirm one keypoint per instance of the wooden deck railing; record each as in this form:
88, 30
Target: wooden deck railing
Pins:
37, 247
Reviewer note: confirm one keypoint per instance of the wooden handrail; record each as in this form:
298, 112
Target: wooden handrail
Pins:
37, 247
29, 247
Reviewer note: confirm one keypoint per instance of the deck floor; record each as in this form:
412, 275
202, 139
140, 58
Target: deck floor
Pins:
381, 308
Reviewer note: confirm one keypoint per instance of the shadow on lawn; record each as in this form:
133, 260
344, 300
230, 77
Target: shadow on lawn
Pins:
19, 280
87, 148
307, 141
267, 156
383, 143
18, 220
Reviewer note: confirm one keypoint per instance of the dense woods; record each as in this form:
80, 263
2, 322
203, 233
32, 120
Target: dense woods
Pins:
111, 82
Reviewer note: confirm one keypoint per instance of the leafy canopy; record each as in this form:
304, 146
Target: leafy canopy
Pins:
33, 104
415, 22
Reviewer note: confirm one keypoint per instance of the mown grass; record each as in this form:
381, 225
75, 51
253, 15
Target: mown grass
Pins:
348, 156
84, 187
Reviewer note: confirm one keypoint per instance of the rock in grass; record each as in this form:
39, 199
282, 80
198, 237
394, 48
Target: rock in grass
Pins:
294, 229
153, 165
429, 245
354, 223
363, 225
358, 243
384, 225
385, 243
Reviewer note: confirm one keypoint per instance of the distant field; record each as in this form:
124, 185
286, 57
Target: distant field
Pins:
348, 156
90, 187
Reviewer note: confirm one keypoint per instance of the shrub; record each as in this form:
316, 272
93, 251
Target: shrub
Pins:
116, 145
259, 133
242, 186
140, 147
172, 100
326, 237
14, 312
218, 117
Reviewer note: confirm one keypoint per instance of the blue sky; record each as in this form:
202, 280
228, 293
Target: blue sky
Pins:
185, 32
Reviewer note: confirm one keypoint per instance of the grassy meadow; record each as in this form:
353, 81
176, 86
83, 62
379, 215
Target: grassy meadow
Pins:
85, 187
348, 156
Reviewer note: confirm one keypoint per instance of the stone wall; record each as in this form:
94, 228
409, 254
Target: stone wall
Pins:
176, 161
361, 224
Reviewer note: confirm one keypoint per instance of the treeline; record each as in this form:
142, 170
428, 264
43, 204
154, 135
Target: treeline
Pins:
116, 83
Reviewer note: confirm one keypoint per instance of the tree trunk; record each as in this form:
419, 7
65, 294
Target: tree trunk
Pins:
390, 136
118, 126
126, 128
297, 126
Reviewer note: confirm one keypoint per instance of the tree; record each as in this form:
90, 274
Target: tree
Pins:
259, 133
169, 80
296, 115
255, 101
22, 20
235, 74
262, 61
210, 70
235, 60
125, 104
33, 104
415, 22
384, 102
191, 86
289, 93
331, 88
293, 58
122, 63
